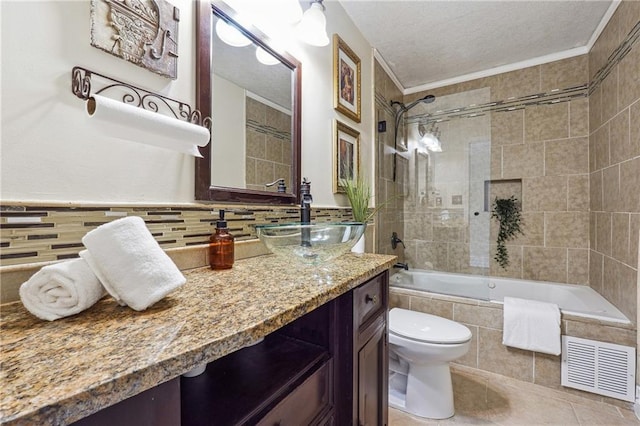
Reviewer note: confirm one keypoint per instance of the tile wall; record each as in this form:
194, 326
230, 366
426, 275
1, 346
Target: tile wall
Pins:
390, 218
41, 233
269, 155
614, 160
578, 160
542, 146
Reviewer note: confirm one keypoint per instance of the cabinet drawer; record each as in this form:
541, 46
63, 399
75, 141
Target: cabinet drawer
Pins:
305, 403
368, 300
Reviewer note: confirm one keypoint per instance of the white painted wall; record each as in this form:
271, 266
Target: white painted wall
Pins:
50, 151
229, 118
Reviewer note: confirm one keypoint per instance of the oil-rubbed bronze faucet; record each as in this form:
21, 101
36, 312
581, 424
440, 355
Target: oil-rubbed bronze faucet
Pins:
305, 201
305, 211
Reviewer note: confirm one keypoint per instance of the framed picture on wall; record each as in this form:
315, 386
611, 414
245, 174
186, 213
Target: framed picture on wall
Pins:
346, 80
346, 155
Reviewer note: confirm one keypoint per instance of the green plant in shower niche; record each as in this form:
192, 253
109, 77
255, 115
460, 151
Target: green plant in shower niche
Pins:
507, 211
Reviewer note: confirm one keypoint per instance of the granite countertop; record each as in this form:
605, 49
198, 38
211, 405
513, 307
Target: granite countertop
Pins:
58, 372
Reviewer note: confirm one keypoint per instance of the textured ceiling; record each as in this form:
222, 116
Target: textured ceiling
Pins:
425, 42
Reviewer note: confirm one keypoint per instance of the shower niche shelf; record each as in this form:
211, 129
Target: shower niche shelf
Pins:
501, 188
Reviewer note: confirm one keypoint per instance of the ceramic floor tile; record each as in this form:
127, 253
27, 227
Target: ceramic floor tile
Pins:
400, 418
603, 414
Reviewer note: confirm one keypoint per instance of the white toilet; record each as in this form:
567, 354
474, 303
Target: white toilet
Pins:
420, 348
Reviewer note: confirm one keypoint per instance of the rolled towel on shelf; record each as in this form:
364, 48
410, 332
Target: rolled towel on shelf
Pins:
60, 290
531, 325
130, 263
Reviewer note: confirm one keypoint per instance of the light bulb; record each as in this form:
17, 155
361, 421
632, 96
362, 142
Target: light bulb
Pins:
313, 27
431, 142
265, 57
231, 35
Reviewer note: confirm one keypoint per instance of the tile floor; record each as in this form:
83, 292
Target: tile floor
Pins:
483, 398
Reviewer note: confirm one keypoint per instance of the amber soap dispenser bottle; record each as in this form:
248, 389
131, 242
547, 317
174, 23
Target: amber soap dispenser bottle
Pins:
221, 249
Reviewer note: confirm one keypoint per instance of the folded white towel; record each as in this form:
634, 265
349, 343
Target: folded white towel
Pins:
130, 263
60, 290
531, 325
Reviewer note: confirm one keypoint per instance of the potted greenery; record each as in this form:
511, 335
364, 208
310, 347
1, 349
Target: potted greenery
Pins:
507, 212
358, 193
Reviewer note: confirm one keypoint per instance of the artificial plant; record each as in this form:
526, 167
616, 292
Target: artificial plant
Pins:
507, 212
358, 193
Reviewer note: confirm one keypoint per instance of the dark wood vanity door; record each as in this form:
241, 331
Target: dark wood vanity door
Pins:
372, 380
363, 363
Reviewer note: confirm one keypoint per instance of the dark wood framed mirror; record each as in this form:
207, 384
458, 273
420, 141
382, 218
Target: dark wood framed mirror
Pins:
207, 188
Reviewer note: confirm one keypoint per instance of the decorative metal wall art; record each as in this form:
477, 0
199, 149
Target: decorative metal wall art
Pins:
144, 32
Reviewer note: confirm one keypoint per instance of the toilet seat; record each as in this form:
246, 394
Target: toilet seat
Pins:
426, 328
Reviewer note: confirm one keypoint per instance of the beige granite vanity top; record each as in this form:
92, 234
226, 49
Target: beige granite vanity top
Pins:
58, 372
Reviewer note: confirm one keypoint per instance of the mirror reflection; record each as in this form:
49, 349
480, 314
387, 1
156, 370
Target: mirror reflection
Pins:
251, 113
255, 112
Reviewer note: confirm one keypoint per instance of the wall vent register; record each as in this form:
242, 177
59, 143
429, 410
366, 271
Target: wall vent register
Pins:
602, 368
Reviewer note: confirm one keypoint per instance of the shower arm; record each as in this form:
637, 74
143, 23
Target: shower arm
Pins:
399, 113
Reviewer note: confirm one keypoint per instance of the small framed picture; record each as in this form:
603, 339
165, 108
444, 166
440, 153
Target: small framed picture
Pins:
346, 155
346, 80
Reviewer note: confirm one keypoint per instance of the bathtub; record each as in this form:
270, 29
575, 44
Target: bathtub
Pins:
576, 300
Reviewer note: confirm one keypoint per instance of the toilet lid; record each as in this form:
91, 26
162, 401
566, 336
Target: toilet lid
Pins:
426, 328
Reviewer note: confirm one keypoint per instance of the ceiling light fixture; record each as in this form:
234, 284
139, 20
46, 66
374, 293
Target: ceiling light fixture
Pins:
430, 139
313, 27
265, 57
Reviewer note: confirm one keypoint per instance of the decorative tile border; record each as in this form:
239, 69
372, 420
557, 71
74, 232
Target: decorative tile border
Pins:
615, 57
553, 97
41, 233
268, 130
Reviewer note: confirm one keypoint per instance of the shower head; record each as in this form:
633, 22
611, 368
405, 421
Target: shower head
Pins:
399, 113
404, 108
427, 100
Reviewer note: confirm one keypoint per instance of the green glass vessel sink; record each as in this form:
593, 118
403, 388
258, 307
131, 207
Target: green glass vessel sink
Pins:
311, 244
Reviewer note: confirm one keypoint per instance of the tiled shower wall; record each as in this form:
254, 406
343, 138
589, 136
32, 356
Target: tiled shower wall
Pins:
391, 217
614, 124
543, 145
269, 155
576, 206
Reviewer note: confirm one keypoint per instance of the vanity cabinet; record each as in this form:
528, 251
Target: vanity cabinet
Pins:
328, 367
364, 341
284, 380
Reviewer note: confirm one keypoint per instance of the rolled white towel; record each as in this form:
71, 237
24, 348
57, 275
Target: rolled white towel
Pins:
130, 263
60, 290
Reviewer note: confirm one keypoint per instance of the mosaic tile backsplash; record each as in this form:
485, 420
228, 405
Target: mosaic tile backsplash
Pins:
42, 233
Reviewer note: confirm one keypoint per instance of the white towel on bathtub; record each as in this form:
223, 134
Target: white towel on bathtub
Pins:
60, 290
130, 263
531, 325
